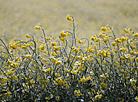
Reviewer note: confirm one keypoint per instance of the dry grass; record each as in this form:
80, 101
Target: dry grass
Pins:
19, 17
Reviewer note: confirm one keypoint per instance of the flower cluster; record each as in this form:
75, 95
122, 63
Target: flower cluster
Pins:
102, 68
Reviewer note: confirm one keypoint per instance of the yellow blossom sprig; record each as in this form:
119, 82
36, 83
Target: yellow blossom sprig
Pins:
69, 73
38, 27
29, 36
70, 18
45, 39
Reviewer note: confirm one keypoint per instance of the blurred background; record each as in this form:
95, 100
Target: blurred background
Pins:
19, 17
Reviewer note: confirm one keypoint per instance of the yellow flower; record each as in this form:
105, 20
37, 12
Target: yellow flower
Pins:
135, 35
37, 27
133, 53
70, 18
9, 61
7, 94
136, 98
106, 38
127, 56
46, 70
63, 34
80, 41
103, 28
100, 34
28, 36
97, 97
56, 48
122, 58
59, 81
67, 70
84, 59
24, 46
75, 49
117, 40
62, 38
42, 47
113, 43
67, 17
56, 74
77, 93
92, 38
58, 62
74, 72
67, 33
55, 83
14, 64
10, 73
28, 56
53, 43
137, 59
48, 38
53, 60
132, 81
127, 30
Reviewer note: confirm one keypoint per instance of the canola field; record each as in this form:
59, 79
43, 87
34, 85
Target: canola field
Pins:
68, 51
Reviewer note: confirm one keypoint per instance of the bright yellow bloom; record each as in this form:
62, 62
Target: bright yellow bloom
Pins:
56, 48
59, 62
80, 41
113, 43
74, 72
28, 36
14, 64
117, 40
77, 93
67, 17
103, 28
92, 38
55, 83
63, 34
48, 38
106, 38
124, 38
53, 43
67, 70
132, 81
38, 27
75, 49
46, 70
127, 30
56, 74
67, 33
135, 35
28, 56
10, 73
7, 94
100, 34
136, 98
127, 56
97, 97
62, 38
42, 47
